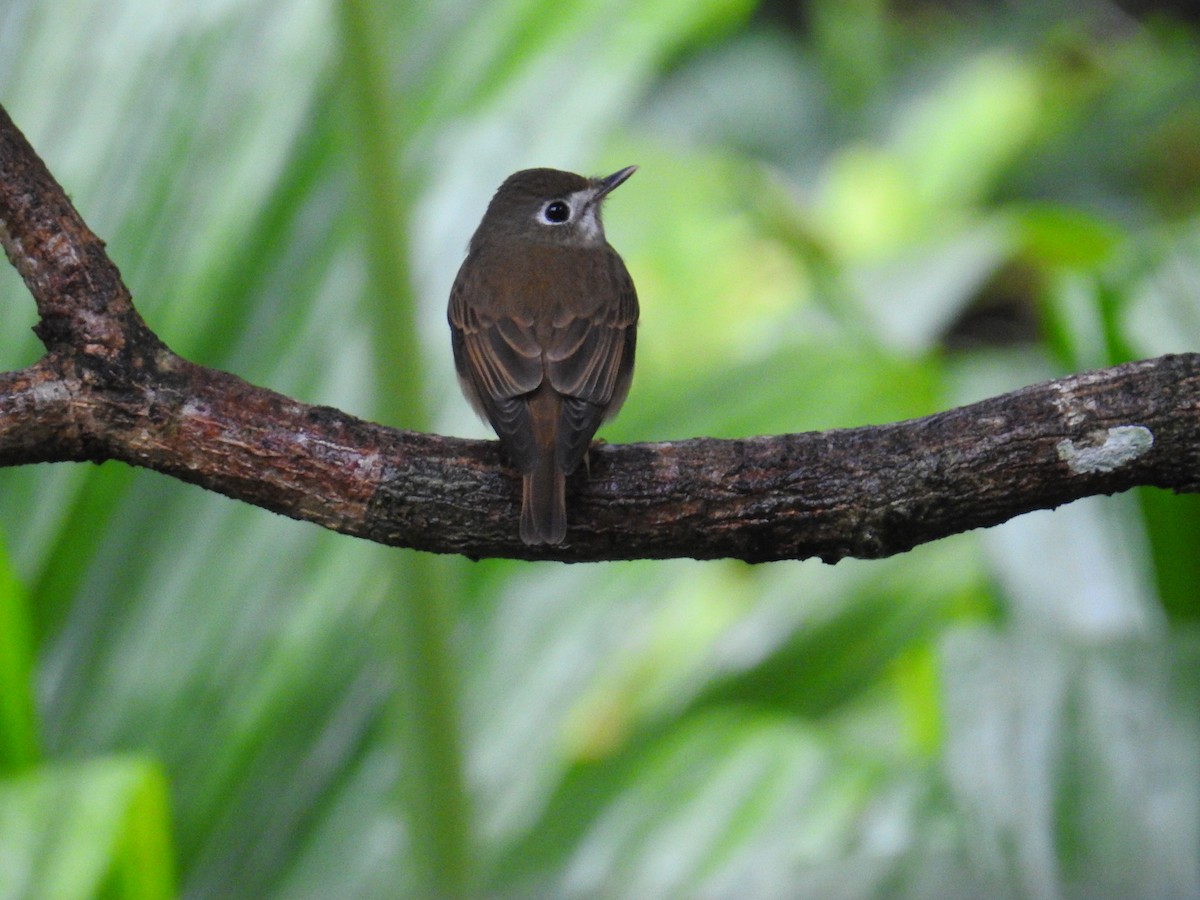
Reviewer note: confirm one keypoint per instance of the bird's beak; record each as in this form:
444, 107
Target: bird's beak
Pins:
616, 179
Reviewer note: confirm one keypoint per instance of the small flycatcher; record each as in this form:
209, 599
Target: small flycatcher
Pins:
543, 320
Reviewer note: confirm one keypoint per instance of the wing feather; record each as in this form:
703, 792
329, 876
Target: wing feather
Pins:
585, 352
590, 362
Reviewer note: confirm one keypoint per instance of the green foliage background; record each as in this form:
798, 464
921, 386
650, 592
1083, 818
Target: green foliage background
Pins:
873, 217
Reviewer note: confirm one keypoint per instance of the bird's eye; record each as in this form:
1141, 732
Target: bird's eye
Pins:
556, 212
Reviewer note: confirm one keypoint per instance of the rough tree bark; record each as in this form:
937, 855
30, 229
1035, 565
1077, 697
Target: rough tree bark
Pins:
109, 389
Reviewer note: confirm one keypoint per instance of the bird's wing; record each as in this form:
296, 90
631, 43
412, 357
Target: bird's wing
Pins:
587, 357
590, 362
501, 353
499, 360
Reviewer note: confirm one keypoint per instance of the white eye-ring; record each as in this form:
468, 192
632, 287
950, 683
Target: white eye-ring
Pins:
556, 212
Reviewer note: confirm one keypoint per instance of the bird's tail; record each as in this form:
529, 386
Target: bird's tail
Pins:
544, 502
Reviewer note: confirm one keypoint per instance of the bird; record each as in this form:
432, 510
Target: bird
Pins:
543, 320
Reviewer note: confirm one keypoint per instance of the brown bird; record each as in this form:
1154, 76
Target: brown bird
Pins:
543, 320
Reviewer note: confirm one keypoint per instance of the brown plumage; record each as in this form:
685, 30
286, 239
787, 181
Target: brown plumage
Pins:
543, 320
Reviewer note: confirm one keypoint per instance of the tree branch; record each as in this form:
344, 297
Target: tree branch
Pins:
109, 389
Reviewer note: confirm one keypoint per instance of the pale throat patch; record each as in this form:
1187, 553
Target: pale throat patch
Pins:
588, 225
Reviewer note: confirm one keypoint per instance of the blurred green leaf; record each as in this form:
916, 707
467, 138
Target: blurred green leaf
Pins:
950, 148
852, 40
1172, 522
98, 828
1162, 282
1075, 765
19, 741
853, 648
801, 387
709, 807
1055, 236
